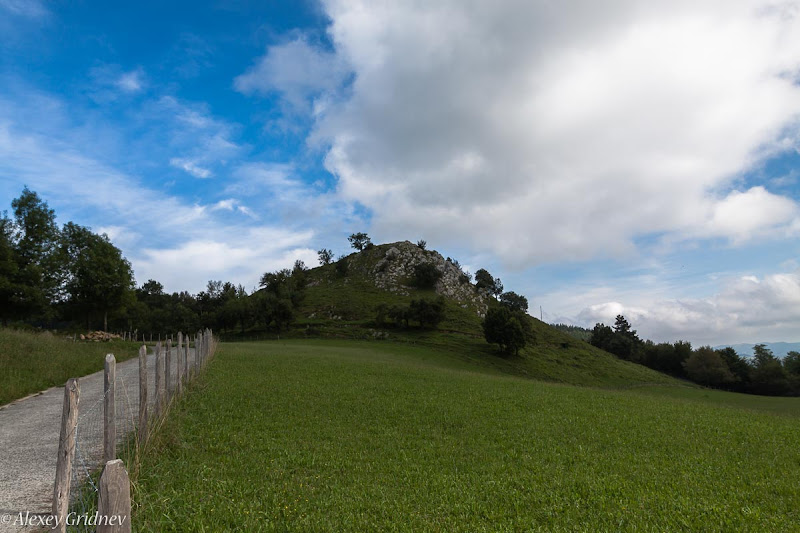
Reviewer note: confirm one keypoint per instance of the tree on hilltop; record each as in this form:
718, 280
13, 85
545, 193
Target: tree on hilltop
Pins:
359, 241
325, 256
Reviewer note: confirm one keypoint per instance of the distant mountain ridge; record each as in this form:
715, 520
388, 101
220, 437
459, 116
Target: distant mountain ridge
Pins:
779, 349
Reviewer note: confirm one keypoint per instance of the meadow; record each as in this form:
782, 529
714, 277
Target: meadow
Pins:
379, 436
32, 362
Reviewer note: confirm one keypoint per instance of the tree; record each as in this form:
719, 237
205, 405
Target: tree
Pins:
625, 343
359, 241
426, 275
99, 277
422, 244
429, 313
325, 256
737, 365
36, 240
706, 367
10, 291
767, 375
484, 280
601, 336
514, 301
792, 363
505, 328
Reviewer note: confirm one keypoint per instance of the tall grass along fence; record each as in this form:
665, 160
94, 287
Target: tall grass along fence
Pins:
92, 483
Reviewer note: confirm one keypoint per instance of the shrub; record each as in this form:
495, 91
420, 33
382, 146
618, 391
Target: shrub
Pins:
505, 328
426, 275
429, 313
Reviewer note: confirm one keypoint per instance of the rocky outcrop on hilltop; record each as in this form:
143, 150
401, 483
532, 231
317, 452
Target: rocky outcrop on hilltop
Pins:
395, 273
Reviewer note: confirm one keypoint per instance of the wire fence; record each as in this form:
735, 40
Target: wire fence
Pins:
161, 375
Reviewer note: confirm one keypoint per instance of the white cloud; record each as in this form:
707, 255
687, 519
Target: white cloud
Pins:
548, 132
748, 308
239, 259
297, 70
191, 167
131, 82
165, 238
744, 215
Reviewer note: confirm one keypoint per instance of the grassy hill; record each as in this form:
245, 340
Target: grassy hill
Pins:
345, 306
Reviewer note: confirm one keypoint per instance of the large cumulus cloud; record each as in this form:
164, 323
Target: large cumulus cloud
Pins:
546, 131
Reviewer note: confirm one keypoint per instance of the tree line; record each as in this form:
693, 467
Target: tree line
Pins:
721, 368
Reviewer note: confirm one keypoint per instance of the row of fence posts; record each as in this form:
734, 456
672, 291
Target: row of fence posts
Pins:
114, 487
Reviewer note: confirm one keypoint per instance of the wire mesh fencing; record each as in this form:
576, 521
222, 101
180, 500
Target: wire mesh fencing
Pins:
96, 442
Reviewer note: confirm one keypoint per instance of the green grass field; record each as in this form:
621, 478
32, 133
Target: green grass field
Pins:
32, 362
378, 436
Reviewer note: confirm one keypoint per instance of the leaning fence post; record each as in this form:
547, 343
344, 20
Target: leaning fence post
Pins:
114, 501
159, 398
66, 453
142, 395
109, 409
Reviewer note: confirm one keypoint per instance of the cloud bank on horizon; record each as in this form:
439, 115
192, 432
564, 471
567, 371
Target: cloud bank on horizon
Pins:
614, 158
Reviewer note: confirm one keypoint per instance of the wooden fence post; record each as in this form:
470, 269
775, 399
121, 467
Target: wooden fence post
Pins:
159, 398
186, 359
66, 453
142, 395
179, 366
167, 369
114, 501
109, 409
196, 352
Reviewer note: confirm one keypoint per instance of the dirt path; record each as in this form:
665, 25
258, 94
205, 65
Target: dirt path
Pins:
29, 433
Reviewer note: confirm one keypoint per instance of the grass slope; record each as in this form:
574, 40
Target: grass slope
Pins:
32, 362
338, 306
353, 436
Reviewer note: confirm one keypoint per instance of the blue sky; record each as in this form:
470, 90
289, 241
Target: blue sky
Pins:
599, 159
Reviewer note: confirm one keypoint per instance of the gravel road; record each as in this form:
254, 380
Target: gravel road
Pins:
29, 433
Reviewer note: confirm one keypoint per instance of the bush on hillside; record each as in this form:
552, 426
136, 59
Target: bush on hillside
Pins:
426, 275
506, 328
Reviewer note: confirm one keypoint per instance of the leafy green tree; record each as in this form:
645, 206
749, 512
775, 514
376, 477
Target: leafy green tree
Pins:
514, 301
10, 291
429, 313
426, 275
505, 328
274, 310
792, 363
422, 244
601, 336
738, 366
484, 280
99, 277
325, 256
359, 241
707, 367
400, 314
767, 375
36, 240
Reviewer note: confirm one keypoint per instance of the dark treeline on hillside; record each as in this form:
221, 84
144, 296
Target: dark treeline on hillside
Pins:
722, 368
